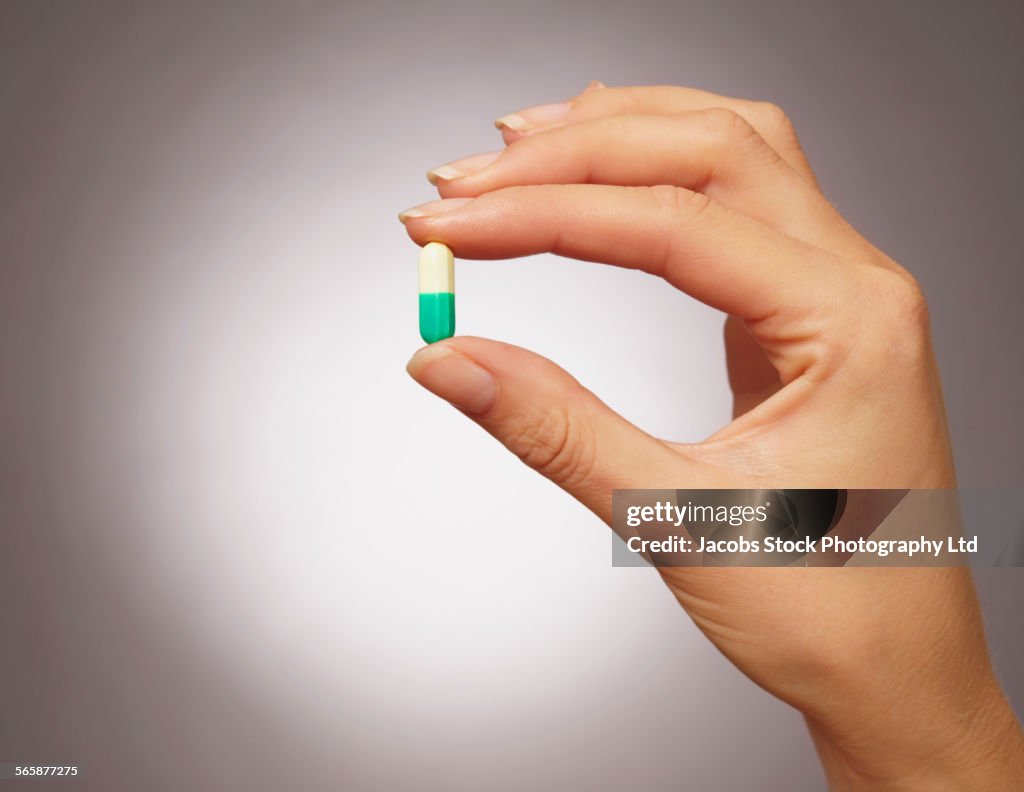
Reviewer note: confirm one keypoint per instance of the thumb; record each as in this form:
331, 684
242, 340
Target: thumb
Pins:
547, 419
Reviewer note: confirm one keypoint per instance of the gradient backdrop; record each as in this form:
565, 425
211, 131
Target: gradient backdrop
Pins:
238, 543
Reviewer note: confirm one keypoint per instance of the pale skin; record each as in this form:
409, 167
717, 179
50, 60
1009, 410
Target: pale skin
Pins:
834, 385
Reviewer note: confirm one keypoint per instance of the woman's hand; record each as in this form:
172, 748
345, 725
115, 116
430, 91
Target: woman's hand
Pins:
834, 386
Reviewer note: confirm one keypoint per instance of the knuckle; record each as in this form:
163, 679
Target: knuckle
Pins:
776, 119
735, 137
679, 200
893, 325
908, 304
897, 299
776, 126
556, 445
729, 127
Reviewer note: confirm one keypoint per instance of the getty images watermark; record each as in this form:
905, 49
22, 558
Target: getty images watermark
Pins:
823, 528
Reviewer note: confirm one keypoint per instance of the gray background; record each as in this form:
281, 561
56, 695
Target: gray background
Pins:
238, 544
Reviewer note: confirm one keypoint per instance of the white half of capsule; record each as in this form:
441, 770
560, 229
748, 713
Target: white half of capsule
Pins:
437, 269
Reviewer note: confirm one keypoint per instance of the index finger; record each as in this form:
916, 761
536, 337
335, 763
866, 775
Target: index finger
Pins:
783, 287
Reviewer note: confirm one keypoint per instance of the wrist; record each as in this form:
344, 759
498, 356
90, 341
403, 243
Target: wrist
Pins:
934, 749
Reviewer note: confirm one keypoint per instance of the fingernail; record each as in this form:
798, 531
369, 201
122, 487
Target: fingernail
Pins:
432, 208
593, 85
455, 378
461, 168
533, 117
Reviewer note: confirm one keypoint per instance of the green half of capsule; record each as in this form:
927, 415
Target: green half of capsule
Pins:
437, 316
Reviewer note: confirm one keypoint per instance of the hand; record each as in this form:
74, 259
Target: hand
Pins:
834, 385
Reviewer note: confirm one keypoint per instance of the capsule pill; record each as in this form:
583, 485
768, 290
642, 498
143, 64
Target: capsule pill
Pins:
437, 292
